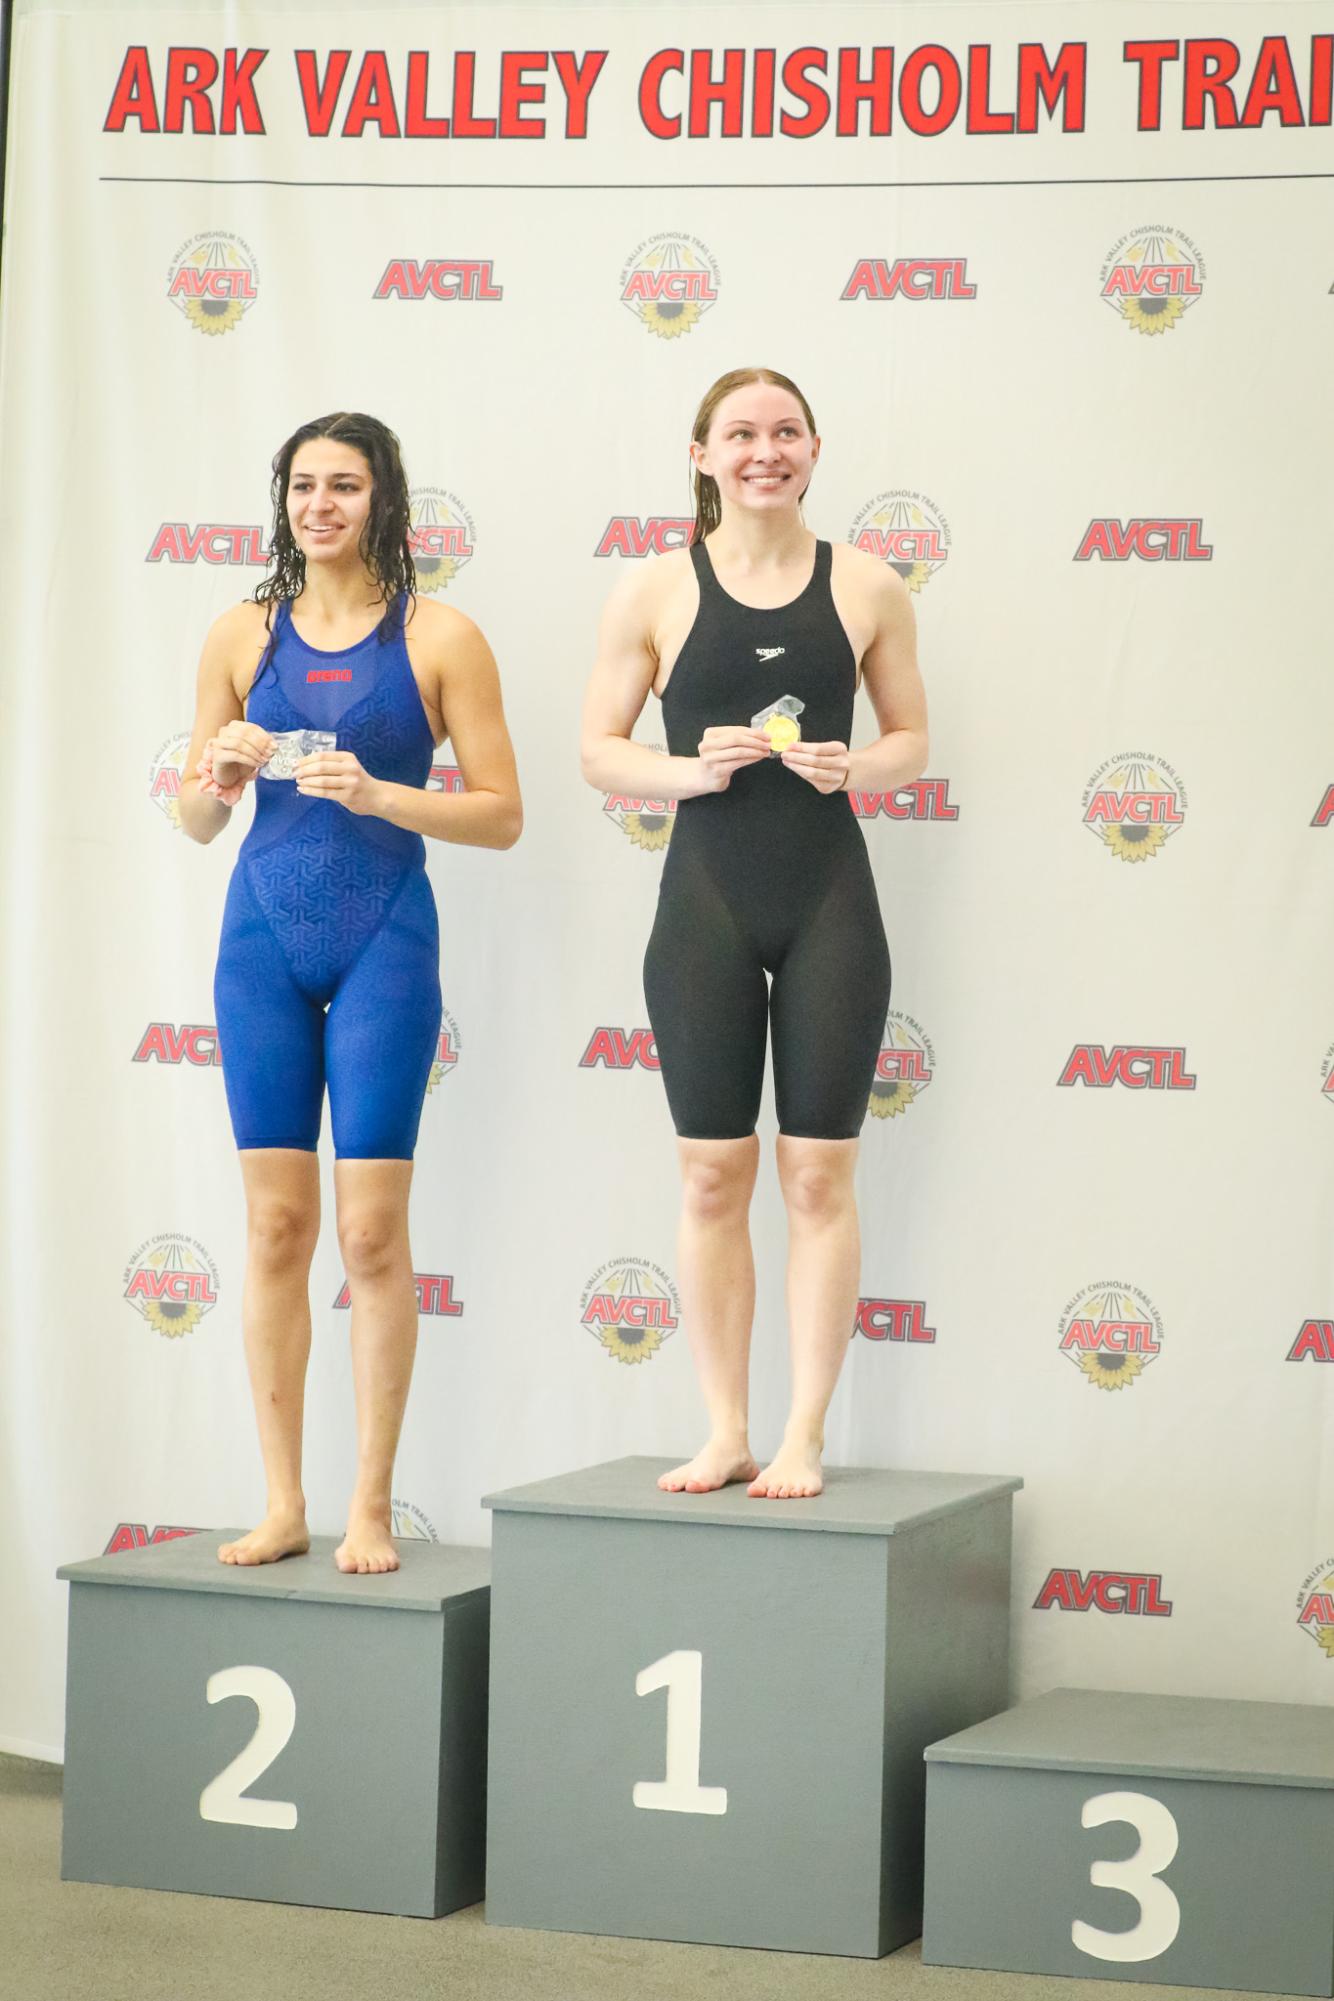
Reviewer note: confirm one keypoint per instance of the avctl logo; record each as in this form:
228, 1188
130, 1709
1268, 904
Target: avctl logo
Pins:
137, 1535
1315, 1607
646, 823
165, 775
1111, 1332
621, 1049
1151, 277
669, 283
1136, 1065
905, 530
924, 799
909, 278
1315, 1339
211, 542
173, 1282
190, 1042
1124, 1593
1134, 804
213, 281
893, 1320
631, 1307
409, 1524
435, 1294
1153, 539
904, 1068
645, 535
441, 536
462, 278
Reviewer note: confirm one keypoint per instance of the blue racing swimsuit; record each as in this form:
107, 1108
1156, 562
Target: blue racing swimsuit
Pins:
328, 964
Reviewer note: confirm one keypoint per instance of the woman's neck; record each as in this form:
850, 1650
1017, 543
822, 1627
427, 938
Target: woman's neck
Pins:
330, 596
747, 543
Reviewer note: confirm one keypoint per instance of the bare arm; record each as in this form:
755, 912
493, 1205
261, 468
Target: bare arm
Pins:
627, 660
233, 646
489, 812
894, 684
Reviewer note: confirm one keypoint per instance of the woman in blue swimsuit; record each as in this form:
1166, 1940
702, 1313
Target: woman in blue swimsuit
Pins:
327, 969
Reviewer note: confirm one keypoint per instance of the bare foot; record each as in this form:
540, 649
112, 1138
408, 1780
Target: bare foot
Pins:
718, 1465
793, 1475
368, 1547
278, 1535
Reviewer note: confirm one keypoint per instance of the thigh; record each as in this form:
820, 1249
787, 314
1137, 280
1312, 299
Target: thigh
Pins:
382, 1030
708, 1005
828, 1007
270, 1036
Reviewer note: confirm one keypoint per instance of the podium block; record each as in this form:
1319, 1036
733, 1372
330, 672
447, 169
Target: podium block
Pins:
279, 1732
708, 1713
1156, 1838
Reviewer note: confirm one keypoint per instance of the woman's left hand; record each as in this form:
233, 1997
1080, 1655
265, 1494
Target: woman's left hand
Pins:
340, 776
823, 765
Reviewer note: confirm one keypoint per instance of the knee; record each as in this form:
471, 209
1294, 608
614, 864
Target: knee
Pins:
371, 1241
716, 1191
815, 1191
281, 1234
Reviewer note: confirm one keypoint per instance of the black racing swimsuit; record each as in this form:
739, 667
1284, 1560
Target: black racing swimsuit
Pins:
769, 876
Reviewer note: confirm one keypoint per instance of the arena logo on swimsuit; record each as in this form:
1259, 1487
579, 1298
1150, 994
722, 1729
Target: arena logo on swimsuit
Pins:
1152, 277
631, 1307
137, 1535
1124, 1593
1315, 1607
912, 278
1111, 1332
173, 1282
1315, 1340
447, 1051
192, 1042
902, 1320
1134, 804
165, 774
905, 529
441, 537
904, 1068
213, 281
435, 1295
669, 282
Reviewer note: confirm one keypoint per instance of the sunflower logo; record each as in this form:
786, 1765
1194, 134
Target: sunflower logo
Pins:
907, 532
173, 1282
648, 830
646, 823
904, 1067
441, 537
165, 775
1152, 278
669, 284
213, 282
630, 1307
1134, 805
1111, 1333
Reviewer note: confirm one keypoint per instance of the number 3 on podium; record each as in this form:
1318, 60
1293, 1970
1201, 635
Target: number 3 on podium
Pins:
1159, 1912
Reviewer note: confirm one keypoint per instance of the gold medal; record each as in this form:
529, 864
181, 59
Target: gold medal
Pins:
782, 732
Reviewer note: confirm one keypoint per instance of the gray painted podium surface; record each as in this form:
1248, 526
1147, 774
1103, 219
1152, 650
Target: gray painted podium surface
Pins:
708, 1713
1176, 1839
279, 1732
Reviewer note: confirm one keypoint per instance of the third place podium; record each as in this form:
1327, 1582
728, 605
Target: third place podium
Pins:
708, 1713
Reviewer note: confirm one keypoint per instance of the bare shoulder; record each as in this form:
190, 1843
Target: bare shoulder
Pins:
652, 582
441, 634
242, 625
874, 583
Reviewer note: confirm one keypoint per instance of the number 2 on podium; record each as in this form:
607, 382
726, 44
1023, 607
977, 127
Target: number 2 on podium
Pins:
224, 1798
682, 1675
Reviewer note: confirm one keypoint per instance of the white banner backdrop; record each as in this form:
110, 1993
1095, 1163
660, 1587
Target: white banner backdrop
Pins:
1065, 327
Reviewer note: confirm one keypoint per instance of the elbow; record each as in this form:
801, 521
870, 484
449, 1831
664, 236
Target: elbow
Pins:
923, 757
511, 827
590, 759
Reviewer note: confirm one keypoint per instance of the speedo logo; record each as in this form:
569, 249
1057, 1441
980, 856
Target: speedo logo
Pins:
769, 652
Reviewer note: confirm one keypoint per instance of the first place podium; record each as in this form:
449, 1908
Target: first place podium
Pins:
708, 1713
280, 1731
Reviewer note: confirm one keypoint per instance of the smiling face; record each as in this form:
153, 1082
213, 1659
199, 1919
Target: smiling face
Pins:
759, 448
328, 500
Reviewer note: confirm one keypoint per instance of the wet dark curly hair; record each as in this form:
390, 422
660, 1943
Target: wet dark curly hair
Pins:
384, 541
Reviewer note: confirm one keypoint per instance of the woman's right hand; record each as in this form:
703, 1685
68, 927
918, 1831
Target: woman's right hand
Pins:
231, 759
725, 749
